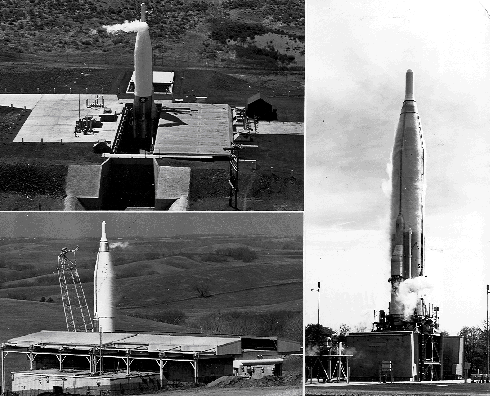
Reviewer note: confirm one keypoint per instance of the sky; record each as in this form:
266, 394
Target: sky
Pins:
357, 55
73, 225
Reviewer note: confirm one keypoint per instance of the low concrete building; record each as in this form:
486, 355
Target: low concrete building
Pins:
125, 362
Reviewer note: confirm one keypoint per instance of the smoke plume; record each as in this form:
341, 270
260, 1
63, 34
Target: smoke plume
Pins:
121, 245
409, 293
133, 26
386, 183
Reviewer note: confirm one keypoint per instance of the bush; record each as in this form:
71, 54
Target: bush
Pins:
275, 323
242, 253
224, 29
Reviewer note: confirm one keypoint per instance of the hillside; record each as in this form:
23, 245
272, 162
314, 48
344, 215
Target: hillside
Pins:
266, 32
224, 284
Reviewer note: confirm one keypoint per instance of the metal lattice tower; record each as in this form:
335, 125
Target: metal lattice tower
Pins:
77, 313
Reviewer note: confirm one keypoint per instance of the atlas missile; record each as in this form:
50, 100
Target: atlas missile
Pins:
104, 287
408, 197
143, 86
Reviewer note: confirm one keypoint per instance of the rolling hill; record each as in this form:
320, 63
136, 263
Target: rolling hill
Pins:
173, 284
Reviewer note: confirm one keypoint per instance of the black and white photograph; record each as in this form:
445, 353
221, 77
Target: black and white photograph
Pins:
123, 303
160, 105
397, 156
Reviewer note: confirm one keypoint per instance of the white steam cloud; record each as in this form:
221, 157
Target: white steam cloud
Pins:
386, 184
409, 293
121, 245
133, 26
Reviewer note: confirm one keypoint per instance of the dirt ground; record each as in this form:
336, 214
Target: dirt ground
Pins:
274, 391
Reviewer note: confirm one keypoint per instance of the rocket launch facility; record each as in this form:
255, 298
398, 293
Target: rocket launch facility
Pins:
406, 341
95, 357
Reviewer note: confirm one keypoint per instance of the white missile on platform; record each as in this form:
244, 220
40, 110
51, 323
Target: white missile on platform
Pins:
408, 197
104, 287
143, 86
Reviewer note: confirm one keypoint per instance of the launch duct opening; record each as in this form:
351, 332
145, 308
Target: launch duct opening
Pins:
128, 183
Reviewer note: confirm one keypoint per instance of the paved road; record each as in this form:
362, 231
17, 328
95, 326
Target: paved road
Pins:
403, 388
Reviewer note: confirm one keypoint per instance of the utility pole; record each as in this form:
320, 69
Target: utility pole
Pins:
318, 315
488, 357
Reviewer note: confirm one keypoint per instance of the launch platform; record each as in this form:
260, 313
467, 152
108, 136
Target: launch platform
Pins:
88, 362
54, 116
191, 129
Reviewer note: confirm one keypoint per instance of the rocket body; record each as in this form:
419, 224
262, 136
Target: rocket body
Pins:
143, 92
104, 287
408, 197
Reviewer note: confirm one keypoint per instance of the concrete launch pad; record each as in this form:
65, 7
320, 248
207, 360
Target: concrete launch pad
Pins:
53, 117
194, 129
184, 128
280, 128
398, 388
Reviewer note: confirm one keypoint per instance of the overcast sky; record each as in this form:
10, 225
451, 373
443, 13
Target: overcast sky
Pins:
155, 224
357, 56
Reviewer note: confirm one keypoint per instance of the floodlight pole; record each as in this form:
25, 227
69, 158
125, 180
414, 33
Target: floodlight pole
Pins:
318, 313
488, 357
3, 369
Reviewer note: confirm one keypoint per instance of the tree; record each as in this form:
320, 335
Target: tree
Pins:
474, 347
202, 289
343, 332
316, 336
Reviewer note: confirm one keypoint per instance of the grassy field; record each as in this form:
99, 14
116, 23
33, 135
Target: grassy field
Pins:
161, 280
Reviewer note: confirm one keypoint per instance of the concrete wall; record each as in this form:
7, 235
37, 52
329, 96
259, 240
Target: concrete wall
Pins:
83, 185
211, 369
104, 182
30, 383
453, 348
172, 185
370, 349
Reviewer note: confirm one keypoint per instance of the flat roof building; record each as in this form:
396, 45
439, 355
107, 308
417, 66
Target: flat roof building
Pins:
84, 362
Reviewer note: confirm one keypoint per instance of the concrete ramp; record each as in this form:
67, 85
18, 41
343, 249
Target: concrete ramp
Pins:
105, 186
83, 187
172, 186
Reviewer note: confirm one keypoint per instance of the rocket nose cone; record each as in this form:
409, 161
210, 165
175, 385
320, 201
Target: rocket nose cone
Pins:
104, 235
409, 85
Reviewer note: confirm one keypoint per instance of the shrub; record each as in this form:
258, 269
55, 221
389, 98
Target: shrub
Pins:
242, 253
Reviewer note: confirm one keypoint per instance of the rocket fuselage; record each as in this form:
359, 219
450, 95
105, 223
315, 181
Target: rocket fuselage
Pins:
143, 89
408, 197
104, 287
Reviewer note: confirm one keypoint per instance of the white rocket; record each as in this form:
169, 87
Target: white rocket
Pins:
408, 197
144, 111
104, 287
